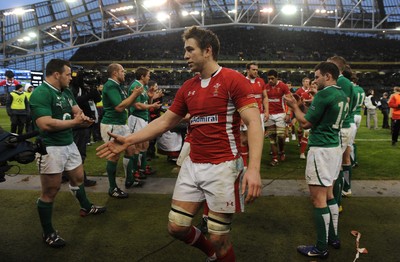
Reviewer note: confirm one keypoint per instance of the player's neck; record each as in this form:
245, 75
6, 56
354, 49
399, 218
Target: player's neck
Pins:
209, 70
53, 83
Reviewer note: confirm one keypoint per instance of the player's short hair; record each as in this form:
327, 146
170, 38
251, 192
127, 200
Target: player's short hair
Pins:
152, 83
339, 61
112, 68
272, 72
205, 38
56, 66
305, 78
328, 68
18, 86
248, 65
141, 71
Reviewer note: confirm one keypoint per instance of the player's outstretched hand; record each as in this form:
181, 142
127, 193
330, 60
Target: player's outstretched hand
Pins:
113, 147
251, 185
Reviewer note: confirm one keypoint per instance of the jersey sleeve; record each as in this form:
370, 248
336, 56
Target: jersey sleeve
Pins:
242, 93
315, 111
40, 104
179, 106
285, 89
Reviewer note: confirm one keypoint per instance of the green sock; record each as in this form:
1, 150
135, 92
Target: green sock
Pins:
80, 194
143, 161
45, 210
334, 223
347, 171
355, 152
111, 172
135, 163
129, 169
322, 219
337, 188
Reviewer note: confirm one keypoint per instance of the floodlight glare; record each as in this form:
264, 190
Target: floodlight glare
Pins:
289, 9
267, 10
162, 16
32, 34
26, 38
18, 11
185, 13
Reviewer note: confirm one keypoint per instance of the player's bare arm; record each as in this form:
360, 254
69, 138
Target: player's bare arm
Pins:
129, 100
266, 105
293, 104
252, 179
154, 129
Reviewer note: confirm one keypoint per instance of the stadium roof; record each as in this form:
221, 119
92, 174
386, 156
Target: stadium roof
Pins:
56, 26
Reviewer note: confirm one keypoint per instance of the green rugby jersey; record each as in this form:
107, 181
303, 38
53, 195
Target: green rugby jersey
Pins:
142, 98
47, 100
347, 86
113, 95
326, 114
360, 96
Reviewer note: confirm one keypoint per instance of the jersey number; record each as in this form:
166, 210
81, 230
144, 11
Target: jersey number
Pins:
341, 117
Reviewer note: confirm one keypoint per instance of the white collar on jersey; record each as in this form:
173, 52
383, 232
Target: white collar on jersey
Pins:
205, 82
252, 80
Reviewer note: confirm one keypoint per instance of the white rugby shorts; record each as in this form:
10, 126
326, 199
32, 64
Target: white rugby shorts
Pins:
345, 134
59, 159
122, 130
218, 184
323, 165
276, 120
136, 124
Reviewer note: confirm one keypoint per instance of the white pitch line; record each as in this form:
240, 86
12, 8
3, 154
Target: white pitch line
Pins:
364, 139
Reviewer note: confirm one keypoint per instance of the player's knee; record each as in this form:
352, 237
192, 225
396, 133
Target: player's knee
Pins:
218, 225
271, 136
180, 221
280, 132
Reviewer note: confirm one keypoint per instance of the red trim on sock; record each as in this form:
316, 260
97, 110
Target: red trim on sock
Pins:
228, 257
205, 209
201, 242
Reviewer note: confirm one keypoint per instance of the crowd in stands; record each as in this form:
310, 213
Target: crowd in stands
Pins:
250, 44
261, 44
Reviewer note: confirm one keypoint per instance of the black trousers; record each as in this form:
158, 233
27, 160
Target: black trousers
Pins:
385, 113
17, 123
395, 129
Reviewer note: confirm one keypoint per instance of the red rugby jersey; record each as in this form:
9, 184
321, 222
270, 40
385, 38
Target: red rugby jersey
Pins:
258, 87
214, 116
276, 104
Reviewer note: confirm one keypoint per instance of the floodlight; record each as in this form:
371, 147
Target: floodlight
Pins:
185, 13
18, 11
289, 9
32, 34
267, 10
162, 16
26, 38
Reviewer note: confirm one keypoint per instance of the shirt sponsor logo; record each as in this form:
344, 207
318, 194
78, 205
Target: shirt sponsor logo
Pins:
198, 120
273, 100
191, 93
